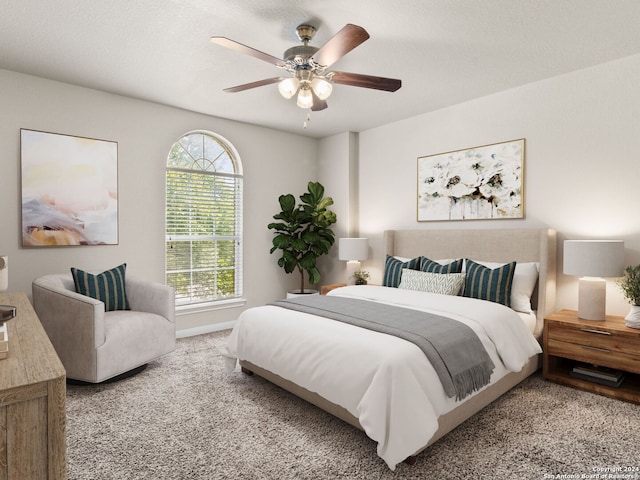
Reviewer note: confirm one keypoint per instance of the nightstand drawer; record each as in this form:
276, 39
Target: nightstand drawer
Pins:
598, 355
596, 337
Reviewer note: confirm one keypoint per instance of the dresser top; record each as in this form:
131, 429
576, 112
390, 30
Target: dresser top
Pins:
31, 359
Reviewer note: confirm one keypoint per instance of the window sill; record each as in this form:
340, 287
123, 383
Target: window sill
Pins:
210, 306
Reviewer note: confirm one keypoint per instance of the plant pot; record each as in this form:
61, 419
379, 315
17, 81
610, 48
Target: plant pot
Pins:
633, 317
304, 293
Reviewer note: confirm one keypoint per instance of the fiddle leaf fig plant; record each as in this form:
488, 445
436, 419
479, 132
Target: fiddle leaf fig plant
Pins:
302, 232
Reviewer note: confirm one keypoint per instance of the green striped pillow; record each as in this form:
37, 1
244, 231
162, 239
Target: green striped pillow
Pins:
108, 287
431, 266
489, 284
393, 270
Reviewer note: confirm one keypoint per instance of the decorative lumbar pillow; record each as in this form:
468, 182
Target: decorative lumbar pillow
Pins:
393, 270
443, 283
434, 266
493, 284
524, 282
108, 287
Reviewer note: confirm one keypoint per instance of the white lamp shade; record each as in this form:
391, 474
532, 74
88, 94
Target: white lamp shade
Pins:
305, 99
593, 258
353, 249
288, 87
322, 88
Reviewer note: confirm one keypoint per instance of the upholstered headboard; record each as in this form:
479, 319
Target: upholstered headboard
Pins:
494, 245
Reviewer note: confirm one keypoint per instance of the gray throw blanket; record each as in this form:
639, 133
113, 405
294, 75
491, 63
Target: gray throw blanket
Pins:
453, 348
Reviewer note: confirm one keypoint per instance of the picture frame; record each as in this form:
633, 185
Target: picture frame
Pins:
478, 183
69, 190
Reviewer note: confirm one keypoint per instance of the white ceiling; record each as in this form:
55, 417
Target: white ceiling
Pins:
444, 51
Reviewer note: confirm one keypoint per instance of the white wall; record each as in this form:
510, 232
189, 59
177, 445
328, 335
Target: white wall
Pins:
144, 131
338, 172
582, 164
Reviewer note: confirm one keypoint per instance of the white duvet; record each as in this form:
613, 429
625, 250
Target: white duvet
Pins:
386, 382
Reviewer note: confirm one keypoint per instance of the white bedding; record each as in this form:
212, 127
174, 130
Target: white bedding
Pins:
386, 382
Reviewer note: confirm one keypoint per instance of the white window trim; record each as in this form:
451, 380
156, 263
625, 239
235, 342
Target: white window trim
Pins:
191, 308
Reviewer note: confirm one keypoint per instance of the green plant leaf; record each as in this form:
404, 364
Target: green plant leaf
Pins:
308, 260
298, 244
314, 275
316, 190
282, 241
287, 203
277, 226
310, 237
325, 202
290, 261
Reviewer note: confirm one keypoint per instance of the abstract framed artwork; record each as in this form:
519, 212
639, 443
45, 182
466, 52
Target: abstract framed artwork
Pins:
69, 190
477, 183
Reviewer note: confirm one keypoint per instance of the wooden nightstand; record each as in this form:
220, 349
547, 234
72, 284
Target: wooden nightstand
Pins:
324, 289
568, 340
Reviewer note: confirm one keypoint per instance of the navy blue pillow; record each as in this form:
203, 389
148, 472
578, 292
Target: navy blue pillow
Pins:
489, 284
427, 265
393, 270
107, 287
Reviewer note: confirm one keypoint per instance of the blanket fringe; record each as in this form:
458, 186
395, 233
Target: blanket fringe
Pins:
471, 380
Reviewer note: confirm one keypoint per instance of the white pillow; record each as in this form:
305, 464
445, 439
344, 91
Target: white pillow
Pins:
445, 284
524, 281
442, 261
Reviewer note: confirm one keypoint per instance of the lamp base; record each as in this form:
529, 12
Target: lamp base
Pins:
352, 267
592, 295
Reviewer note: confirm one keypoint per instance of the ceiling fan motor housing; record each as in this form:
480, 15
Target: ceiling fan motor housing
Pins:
300, 55
305, 32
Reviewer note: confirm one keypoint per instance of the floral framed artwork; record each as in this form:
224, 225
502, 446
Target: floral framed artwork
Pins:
477, 183
69, 190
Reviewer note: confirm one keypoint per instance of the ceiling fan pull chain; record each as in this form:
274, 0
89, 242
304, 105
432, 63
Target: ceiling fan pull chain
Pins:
305, 124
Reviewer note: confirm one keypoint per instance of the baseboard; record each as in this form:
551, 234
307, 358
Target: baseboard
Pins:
216, 327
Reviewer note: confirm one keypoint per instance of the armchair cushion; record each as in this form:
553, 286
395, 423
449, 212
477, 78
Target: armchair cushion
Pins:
108, 287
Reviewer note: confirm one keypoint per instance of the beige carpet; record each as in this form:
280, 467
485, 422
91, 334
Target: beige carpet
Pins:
185, 418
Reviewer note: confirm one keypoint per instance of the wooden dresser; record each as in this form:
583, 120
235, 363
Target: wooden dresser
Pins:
32, 400
569, 340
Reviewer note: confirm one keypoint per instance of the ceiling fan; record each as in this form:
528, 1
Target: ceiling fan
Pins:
308, 66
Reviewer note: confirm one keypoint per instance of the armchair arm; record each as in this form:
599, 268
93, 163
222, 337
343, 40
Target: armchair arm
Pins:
152, 297
67, 316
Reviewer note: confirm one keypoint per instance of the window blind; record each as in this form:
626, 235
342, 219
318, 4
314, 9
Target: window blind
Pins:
203, 235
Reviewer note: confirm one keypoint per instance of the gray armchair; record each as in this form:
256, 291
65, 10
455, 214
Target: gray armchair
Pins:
95, 345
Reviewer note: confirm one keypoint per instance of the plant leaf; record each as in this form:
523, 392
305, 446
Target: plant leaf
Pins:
287, 203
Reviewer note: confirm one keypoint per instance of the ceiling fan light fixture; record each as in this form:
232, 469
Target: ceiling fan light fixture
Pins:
322, 87
311, 80
288, 87
305, 99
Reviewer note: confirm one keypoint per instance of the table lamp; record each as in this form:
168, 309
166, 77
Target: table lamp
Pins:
592, 260
353, 250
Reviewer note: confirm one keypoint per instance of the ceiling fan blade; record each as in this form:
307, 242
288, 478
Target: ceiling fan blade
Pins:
366, 81
340, 44
239, 47
247, 86
318, 104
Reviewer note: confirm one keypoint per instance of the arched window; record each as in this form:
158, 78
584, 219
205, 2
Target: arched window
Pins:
204, 219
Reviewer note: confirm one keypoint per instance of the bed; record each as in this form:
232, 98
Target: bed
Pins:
384, 385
